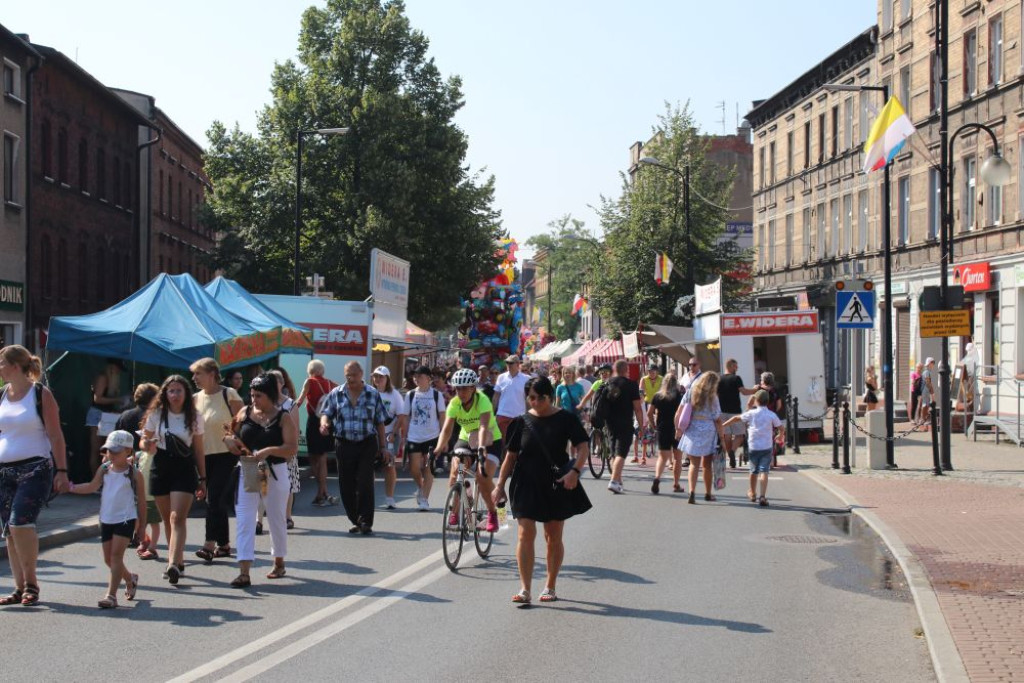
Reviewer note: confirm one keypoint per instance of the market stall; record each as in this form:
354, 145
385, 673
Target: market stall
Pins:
234, 297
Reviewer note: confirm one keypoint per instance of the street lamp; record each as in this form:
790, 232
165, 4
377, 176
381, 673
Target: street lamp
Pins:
684, 175
887, 360
299, 135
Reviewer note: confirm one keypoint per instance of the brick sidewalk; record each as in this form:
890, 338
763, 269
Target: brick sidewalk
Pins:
967, 531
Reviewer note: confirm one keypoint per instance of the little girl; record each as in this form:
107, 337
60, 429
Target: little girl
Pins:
122, 511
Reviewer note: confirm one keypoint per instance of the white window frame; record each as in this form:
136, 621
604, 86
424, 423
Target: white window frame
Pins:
789, 241
806, 234
848, 123
905, 89
994, 205
903, 203
848, 224
934, 204
864, 122
771, 244
887, 12
11, 176
15, 92
822, 230
834, 237
863, 204
762, 260
969, 198
906, 7
995, 50
970, 47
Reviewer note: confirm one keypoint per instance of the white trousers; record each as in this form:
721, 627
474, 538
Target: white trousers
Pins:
276, 503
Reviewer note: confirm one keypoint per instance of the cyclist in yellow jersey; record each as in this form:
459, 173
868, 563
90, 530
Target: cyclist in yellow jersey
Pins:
472, 411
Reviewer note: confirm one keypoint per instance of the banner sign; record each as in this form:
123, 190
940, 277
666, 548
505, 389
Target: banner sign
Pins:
389, 279
12, 296
945, 323
975, 277
630, 344
339, 340
768, 324
296, 339
241, 349
708, 297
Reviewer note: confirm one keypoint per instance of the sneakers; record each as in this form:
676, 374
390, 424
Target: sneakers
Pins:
424, 504
656, 486
389, 503
325, 501
453, 520
492, 522
615, 486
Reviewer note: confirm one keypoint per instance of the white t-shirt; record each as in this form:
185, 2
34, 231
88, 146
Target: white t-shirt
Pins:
761, 423
585, 384
425, 416
395, 406
22, 435
513, 394
175, 425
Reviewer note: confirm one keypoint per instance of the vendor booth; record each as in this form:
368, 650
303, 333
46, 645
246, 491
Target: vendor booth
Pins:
235, 298
558, 349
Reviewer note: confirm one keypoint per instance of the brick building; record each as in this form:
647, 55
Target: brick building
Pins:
18, 60
172, 188
83, 180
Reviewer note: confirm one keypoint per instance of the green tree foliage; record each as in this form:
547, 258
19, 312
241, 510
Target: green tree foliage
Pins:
648, 218
567, 253
397, 181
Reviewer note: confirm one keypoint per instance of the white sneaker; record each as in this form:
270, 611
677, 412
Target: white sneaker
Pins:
615, 487
389, 503
424, 505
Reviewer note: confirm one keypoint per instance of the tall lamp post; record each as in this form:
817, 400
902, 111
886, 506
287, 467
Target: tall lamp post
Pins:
684, 176
299, 135
887, 359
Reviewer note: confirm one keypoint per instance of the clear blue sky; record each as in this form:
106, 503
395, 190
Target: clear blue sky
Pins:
556, 90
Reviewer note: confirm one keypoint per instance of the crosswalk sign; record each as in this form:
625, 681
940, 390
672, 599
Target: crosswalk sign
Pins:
855, 310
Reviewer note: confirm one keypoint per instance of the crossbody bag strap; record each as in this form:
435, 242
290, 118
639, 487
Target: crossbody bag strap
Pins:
543, 447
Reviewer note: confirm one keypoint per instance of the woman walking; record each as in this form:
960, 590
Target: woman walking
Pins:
265, 437
870, 388
395, 407
661, 413
318, 446
699, 432
569, 393
32, 464
173, 433
216, 404
545, 484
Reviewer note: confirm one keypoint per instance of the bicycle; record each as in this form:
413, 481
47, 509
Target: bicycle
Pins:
469, 510
600, 452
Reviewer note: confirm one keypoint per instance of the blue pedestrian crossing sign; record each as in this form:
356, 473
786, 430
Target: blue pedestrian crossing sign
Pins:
855, 310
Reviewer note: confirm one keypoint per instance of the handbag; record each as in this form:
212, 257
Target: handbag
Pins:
250, 473
174, 445
557, 471
684, 419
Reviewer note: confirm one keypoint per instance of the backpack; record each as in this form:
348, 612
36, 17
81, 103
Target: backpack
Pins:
606, 395
38, 389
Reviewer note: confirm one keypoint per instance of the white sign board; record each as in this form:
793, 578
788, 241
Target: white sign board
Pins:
630, 345
389, 279
708, 297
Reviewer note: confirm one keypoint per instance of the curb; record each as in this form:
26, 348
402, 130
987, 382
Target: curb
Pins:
949, 667
81, 530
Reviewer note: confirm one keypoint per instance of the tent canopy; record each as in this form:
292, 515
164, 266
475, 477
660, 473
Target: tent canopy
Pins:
674, 341
555, 349
235, 298
171, 322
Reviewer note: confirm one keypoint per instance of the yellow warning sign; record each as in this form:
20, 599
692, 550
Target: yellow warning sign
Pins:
945, 323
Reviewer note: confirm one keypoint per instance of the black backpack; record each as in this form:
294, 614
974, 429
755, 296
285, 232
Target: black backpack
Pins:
603, 399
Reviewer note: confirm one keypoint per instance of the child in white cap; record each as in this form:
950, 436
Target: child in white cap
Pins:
122, 510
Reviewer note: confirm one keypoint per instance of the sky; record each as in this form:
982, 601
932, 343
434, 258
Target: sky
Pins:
556, 90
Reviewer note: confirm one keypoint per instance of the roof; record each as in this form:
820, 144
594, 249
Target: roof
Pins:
826, 71
18, 41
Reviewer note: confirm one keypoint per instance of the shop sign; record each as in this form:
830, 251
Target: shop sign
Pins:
975, 277
899, 287
766, 324
12, 296
630, 344
389, 279
247, 347
945, 323
339, 340
709, 297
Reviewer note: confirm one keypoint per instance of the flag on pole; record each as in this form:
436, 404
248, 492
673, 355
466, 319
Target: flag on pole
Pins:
662, 268
888, 134
579, 305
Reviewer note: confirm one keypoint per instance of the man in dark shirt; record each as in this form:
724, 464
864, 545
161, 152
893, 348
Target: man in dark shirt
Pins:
730, 386
625, 404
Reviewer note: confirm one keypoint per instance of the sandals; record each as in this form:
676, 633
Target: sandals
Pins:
548, 595
13, 599
676, 488
30, 595
751, 496
131, 588
205, 554
289, 524
241, 581
109, 602
277, 572
522, 597
149, 554
692, 500
763, 502
709, 497
222, 551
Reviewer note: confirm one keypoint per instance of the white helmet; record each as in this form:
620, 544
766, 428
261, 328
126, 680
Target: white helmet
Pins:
464, 378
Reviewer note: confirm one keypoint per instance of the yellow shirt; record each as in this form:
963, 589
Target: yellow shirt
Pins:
650, 388
216, 413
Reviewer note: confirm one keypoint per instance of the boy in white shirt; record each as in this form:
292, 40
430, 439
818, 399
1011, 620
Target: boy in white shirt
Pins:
763, 427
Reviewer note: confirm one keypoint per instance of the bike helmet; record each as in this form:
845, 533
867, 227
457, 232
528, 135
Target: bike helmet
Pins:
464, 378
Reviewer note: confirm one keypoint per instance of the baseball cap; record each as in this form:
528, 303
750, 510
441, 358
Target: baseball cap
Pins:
382, 371
929, 360
118, 440
513, 359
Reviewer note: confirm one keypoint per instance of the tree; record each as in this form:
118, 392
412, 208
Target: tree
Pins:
397, 180
648, 219
565, 257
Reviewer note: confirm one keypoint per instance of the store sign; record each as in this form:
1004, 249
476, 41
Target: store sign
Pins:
12, 296
767, 324
338, 340
975, 277
945, 323
709, 297
630, 344
389, 279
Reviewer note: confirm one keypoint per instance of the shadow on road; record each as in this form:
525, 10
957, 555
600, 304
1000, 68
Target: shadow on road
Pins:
600, 609
144, 610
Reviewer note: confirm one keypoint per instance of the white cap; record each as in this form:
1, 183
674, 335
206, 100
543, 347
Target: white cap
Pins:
382, 370
929, 360
118, 440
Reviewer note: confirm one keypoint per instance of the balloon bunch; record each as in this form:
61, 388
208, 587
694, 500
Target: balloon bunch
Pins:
494, 312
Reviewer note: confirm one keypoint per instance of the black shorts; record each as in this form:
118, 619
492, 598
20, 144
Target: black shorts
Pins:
493, 451
317, 443
123, 529
172, 474
621, 442
420, 446
667, 440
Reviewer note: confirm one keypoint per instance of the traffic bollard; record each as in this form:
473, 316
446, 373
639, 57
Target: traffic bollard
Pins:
846, 437
835, 434
796, 425
936, 463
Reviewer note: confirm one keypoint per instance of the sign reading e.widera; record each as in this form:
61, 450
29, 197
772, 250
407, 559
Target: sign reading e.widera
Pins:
767, 324
241, 349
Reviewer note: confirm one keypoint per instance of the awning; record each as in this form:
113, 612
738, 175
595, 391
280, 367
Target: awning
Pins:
555, 349
609, 352
580, 355
232, 296
674, 341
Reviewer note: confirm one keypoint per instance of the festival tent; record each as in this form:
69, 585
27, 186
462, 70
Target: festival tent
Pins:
554, 350
582, 355
235, 298
171, 322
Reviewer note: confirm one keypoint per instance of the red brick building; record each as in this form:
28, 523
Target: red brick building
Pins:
83, 243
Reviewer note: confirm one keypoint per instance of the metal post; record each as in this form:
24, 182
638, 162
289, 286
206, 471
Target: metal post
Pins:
835, 432
298, 210
887, 357
846, 437
946, 229
796, 425
936, 464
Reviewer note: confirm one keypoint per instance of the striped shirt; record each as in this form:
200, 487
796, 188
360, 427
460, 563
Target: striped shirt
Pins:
354, 422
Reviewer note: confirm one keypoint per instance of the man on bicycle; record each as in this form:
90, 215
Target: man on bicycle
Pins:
479, 433
603, 372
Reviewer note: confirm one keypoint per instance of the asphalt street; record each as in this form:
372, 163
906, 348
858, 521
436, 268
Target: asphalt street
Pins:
652, 587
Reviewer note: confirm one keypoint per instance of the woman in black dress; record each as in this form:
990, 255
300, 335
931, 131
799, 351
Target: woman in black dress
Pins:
545, 484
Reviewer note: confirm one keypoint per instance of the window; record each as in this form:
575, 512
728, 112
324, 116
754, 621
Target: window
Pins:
970, 63
834, 140
170, 195
62, 268
771, 163
789, 153
905, 90
848, 224
789, 240
160, 186
821, 138
995, 50
934, 203
181, 214
12, 189
116, 177
101, 174
83, 165
862, 221
807, 144
994, 200
806, 235
905, 9
822, 225
62, 155
903, 206
46, 267
848, 123
832, 246
762, 259
771, 244
46, 145
933, 84
968, 197
887, 15
12, 79
190, 208
761, 168
864, 120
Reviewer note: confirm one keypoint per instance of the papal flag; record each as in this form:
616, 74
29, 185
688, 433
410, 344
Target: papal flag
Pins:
579, 305
888, 134
662, 268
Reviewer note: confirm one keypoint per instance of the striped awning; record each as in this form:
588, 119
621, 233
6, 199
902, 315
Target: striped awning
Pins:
580, 356
609, 352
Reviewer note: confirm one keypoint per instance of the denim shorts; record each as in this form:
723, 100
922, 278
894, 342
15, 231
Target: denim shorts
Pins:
760, 461
24, 488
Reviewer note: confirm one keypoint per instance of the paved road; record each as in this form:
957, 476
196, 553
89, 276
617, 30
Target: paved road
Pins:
652, 588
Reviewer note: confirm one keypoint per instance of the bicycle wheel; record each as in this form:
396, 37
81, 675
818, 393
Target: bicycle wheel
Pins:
452, 537
596, 459
481, 536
